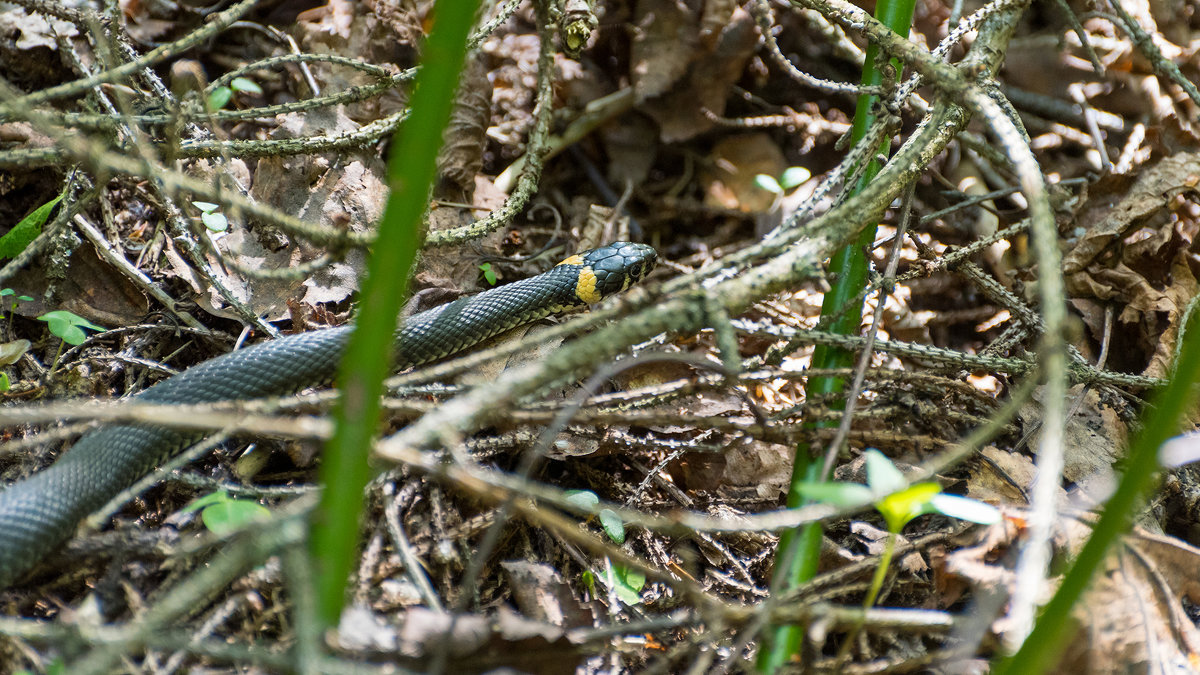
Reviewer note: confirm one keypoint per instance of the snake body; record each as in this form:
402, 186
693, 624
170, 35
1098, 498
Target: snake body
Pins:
40, 513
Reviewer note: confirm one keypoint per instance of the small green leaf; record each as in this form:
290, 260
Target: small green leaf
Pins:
882, 476
68, 326
793, 176
215, 222
768, 183
15, 240
589, 580
629, 584
900, 507
5, 292
206, 207
841, 495
24, 298
223, 514
245, 85
489, 274
218, 98
585, 500
223, 518
613, 526
5, 385
963, 508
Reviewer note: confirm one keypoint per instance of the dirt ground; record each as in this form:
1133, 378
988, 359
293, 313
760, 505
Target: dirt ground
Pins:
221, 170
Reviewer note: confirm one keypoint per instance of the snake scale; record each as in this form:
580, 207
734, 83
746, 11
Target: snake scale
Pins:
39, 513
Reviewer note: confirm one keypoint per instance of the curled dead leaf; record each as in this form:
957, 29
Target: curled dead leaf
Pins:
13, 350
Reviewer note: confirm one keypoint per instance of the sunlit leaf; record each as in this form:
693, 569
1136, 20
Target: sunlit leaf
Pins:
793, 176
245, 85
586, 500
489, 274
613, 526
970, 510
215, 222
229, 516
218, 98
883, 476
767, 183
900, 507
629, 584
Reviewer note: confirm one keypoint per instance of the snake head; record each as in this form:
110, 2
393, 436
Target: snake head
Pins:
619, 265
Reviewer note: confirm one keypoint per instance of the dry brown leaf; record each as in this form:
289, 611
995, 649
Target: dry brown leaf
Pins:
680, 111
765, 466
1001, 477
346, 195
715, 15
13, 350
23, 135
90, 288
461, 156
31, 31
1094, 440
1114, 206
1176, 298
380, 37
664, 44
1132, 616
475, 643
632, 147
729, 177
540, 593
1134, 254
974, 565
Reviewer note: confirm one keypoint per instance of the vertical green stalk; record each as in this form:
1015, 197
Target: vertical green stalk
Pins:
877, 579
411, 172
796, 560
1052, 632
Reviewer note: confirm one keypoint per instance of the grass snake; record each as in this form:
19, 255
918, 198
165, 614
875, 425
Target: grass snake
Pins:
40, 513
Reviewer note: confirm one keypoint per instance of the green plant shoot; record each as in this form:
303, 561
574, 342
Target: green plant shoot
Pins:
489, 274
221, 96
223, 514
69, 328
627, 583
16, 299
212, 218
898, 502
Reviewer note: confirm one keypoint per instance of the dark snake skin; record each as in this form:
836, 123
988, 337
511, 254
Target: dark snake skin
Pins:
40, 513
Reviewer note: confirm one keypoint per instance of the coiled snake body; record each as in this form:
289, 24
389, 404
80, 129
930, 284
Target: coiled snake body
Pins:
38, 514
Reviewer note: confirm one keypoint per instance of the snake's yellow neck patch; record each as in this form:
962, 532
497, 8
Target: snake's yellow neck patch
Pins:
585, 286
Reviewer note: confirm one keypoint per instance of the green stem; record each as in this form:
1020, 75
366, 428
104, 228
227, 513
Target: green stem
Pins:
1051, 633
411, 172
885, 561
881, 570
848, 270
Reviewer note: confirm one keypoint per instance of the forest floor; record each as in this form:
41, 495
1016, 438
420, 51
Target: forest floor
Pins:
221, 170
